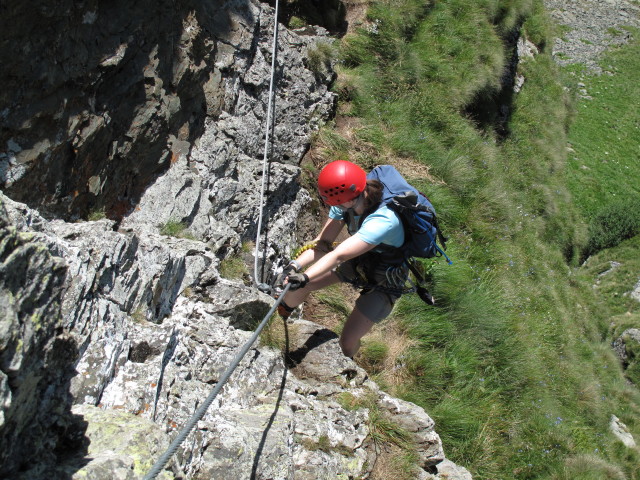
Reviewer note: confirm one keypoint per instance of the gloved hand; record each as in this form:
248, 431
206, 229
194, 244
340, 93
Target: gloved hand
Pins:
291, 267
297, 280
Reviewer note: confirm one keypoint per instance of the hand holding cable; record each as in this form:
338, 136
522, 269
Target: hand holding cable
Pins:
291, 268
297, 280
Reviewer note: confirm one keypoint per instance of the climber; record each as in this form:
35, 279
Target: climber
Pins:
368, 259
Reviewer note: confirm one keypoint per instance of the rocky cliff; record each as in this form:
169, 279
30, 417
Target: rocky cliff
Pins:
120, 119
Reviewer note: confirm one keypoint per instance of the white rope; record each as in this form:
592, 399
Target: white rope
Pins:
256, 279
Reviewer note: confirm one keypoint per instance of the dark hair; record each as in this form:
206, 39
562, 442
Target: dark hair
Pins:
374, 194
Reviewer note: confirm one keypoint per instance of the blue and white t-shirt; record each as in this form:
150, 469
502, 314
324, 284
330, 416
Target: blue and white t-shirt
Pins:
381, 226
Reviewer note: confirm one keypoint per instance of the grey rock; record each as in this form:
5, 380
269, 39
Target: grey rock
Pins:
447, 470
626, 344
415, 420
36, 355
156, 328
139, 441
113, 103
635, 293
621, 432
526, 49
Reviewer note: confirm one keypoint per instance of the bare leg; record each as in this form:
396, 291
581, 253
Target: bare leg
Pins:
356, 327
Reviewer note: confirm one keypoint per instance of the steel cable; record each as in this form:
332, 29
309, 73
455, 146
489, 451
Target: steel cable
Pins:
195, 418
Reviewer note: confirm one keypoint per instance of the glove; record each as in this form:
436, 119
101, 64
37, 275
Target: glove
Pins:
292, 267
297, 280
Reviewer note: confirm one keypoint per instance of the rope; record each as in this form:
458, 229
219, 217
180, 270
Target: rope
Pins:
162, 461
269, 126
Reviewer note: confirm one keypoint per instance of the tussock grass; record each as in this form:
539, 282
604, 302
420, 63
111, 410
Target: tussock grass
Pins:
331, 306
514, 361
175, 228
277, 334
320, 57
393, 462
588, 467
233, 268
384, 355
614, 223
395, 447
97, 214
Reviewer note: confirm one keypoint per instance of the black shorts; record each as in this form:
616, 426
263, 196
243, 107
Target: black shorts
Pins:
380, 284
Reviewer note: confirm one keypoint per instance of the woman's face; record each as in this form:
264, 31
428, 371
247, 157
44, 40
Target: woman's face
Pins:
354, 204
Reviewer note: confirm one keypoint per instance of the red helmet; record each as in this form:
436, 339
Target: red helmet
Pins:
341, 181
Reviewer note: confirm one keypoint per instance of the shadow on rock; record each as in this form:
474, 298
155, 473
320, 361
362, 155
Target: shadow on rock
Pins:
107, 98
319, 337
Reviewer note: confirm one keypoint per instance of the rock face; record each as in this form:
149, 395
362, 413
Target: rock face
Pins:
627, 348
155, 326
99, 99
112, 331
621, 432
36, 354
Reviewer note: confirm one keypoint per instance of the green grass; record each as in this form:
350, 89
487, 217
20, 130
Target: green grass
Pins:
604, 165
615, 222
604, 155
396, 445
96, 215
514, 362
319, 57
612, 273
333, 299
373, 355
175, 228
233, 268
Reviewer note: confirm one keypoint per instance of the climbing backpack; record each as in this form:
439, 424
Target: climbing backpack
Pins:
419, 220
418, 216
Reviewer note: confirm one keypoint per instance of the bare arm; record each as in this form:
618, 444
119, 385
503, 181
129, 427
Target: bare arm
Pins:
350, 248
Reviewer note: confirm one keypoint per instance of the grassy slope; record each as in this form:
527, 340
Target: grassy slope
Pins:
514, 363
605, 161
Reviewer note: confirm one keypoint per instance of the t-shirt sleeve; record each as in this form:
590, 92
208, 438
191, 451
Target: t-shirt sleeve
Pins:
336, 214
382, 226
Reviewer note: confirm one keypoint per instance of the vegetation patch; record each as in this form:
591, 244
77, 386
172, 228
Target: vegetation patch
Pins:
615, 222
603, 156
233, 268
96, 215
175, 228
319, 58
324, 444
277, 334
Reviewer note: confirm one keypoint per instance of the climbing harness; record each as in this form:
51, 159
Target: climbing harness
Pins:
398, 278
162, 461
263, 287
397, 281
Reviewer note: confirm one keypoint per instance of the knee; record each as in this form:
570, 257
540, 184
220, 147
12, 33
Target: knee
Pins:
349, 347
